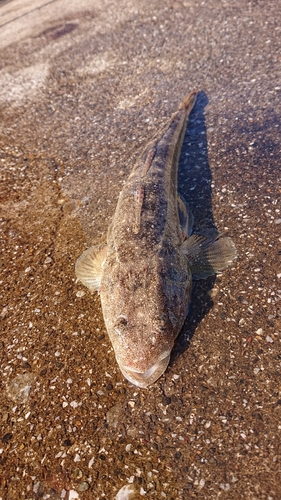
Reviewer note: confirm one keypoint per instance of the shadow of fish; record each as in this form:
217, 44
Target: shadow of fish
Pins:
144, 273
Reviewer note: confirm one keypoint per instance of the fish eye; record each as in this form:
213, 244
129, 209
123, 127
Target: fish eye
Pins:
120, 325
122, 320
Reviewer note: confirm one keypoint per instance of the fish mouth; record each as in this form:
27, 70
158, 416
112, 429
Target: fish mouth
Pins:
144, 379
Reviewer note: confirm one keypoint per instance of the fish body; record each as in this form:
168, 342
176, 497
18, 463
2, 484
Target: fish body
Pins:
144, 272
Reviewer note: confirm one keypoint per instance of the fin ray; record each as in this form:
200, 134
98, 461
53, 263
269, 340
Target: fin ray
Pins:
207, 257
88, 267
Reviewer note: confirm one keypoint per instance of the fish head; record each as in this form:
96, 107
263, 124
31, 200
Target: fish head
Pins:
142, 347
143, 316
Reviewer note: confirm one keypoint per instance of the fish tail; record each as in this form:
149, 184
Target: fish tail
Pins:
188, 102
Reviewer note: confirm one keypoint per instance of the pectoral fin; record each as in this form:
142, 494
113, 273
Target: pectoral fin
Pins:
88, 267
185, 216
207, 257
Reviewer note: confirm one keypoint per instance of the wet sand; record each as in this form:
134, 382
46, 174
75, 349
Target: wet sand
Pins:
83, 87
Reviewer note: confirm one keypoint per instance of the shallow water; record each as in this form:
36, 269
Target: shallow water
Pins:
83, 89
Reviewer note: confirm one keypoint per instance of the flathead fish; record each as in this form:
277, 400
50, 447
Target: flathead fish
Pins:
144, 273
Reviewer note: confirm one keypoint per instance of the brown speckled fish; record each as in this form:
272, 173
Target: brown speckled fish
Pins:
145, 271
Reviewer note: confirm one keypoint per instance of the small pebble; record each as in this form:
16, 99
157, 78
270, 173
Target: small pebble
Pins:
225, 486
201, 484
67, 442
72, 495
114, 414
7, 437
19, 387
83, 486
77, 473
127, 492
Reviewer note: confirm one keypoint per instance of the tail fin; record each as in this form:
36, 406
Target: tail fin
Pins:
188, 102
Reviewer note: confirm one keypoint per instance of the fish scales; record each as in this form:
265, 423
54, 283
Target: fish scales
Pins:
144, 273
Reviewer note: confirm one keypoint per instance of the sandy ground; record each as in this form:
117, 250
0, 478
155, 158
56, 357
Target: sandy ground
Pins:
83, 87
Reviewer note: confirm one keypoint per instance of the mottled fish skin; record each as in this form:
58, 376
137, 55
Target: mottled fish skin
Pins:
145, 274
146, 281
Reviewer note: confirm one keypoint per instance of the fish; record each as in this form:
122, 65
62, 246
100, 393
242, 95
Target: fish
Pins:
144, 272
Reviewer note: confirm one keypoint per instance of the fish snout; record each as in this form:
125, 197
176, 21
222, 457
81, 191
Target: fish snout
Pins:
144, 379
